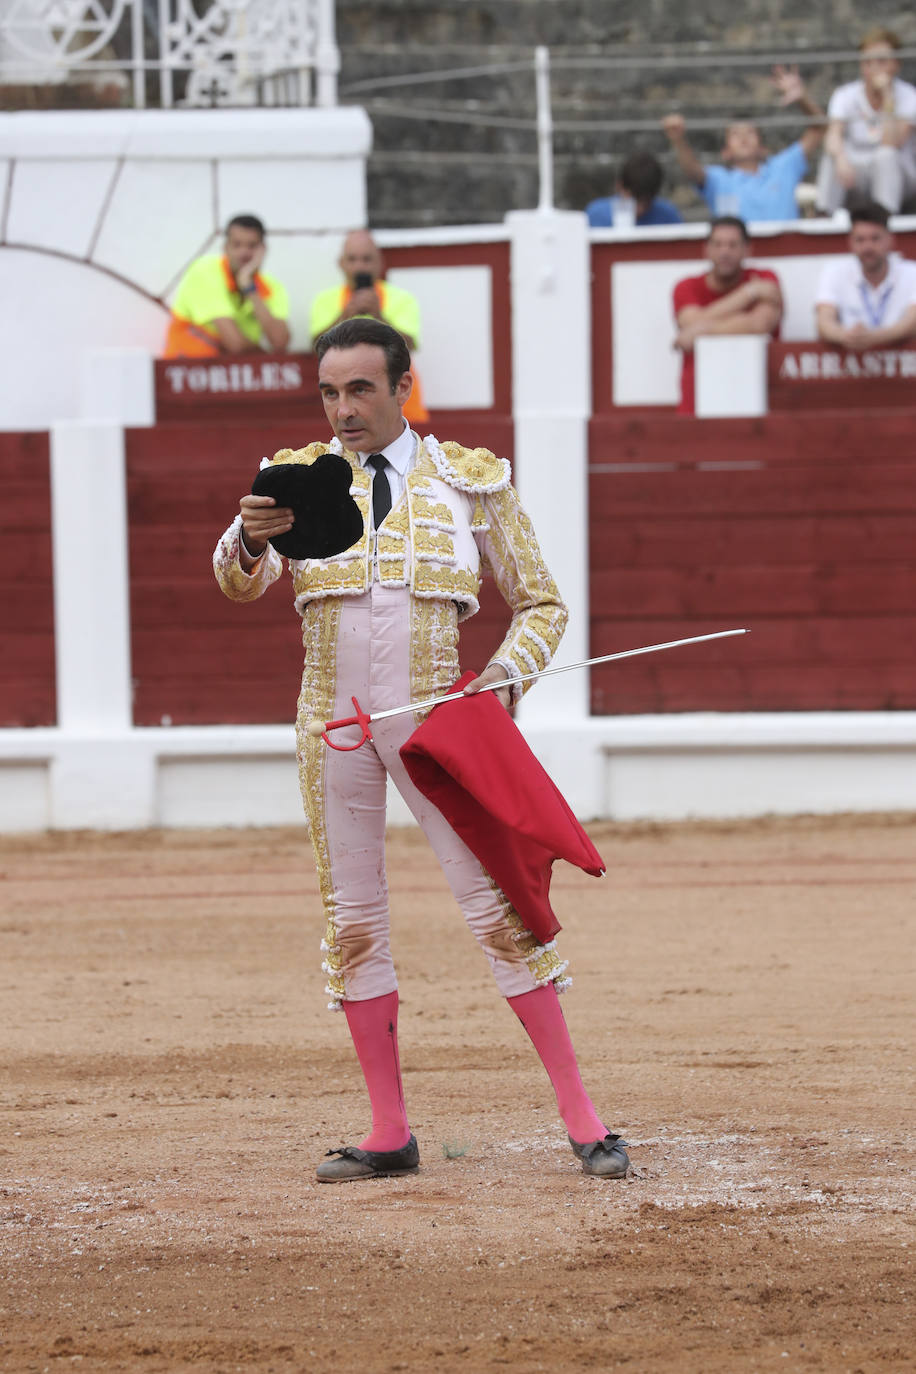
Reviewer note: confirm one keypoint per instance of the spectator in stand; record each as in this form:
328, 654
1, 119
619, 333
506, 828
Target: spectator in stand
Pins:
365, 292
750, 184
870, 144
636, 200
868, 300
728, 299
226, 304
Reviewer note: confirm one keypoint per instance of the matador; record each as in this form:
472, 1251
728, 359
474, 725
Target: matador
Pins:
380, 621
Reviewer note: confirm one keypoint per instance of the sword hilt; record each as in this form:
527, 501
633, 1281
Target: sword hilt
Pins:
364, 721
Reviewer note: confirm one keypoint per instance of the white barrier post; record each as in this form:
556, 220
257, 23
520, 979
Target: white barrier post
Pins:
96, 773
551, 358
731, 374
89, 533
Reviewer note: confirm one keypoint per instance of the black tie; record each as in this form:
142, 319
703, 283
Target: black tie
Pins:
381, 488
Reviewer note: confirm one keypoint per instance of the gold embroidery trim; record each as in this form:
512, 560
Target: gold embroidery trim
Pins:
479, 521
438, 511
305, 455
320, 626
544, 963
433, 649
457, 583
478, 467
525, 582
434, 544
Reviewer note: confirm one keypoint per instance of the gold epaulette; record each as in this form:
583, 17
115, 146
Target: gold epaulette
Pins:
300, 455
472, 469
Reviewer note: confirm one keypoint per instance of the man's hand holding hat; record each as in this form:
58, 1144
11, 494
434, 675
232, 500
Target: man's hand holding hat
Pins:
262, 518
304, 509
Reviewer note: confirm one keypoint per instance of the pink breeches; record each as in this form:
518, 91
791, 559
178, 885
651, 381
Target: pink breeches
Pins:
345, 796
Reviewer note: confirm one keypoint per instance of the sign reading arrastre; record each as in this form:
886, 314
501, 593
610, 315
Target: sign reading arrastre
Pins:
814, 375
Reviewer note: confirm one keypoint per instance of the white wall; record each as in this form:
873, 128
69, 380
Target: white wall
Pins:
455, 359
632, 768
103, 210
71, 309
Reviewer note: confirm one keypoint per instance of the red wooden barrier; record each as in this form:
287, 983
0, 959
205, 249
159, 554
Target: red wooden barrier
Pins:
800, 527
198, 658
809, 376
27, 694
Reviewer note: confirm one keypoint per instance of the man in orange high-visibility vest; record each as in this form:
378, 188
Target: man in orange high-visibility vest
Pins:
365, 292
226, 304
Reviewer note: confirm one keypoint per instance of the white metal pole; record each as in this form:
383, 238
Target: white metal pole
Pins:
544, 127
327, 57
138, 53
165, 70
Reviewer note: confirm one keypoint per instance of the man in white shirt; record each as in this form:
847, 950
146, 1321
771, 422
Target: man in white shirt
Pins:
870, 142
868, 300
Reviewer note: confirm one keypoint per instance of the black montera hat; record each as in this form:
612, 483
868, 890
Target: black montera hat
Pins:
326, 518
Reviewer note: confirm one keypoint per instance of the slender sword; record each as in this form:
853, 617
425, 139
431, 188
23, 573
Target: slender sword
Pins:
322, 728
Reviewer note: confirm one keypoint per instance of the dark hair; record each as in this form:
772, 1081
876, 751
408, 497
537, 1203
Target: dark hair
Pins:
641, 175
363, 329
868, 212
247, 222
729, 222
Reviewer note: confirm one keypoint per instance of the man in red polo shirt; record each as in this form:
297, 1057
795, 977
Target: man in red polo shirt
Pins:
728, 299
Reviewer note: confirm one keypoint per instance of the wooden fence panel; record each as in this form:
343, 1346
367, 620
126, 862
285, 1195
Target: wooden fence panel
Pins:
27, 677
804, 538
198, 658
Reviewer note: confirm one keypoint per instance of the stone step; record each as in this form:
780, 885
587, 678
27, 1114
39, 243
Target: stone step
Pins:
479, 158
587, 24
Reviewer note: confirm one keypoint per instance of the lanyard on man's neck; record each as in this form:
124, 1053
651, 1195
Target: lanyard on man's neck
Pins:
875, 312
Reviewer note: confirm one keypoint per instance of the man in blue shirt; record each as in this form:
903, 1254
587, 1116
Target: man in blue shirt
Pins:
637, 201
748, 183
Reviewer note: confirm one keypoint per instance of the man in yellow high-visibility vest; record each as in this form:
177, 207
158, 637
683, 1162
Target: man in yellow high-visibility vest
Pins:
365, 292
226, 304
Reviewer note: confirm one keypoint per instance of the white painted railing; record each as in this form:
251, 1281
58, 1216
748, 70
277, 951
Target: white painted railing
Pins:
173, 52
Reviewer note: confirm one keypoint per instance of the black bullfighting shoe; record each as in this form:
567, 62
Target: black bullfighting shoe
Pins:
349, 1163
604, 1158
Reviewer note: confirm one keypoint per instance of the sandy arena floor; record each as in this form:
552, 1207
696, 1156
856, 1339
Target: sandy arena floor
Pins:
170, 1078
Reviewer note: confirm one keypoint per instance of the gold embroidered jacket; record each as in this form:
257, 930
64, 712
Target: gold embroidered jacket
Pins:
459, 516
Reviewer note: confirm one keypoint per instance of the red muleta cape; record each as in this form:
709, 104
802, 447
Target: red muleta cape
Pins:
470, 759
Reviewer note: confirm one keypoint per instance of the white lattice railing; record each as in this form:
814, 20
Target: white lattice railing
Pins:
177, 52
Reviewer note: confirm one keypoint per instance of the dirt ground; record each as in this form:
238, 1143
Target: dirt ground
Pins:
743, 1011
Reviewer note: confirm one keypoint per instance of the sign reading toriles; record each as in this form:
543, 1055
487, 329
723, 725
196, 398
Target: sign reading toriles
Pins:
190, 378
250, 386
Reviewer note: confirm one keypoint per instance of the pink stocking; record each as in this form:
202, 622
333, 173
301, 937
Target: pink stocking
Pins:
374, 1028
541, 1015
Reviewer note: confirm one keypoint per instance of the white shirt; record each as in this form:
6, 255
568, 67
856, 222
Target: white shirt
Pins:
865, 125
400, 454
843, 285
